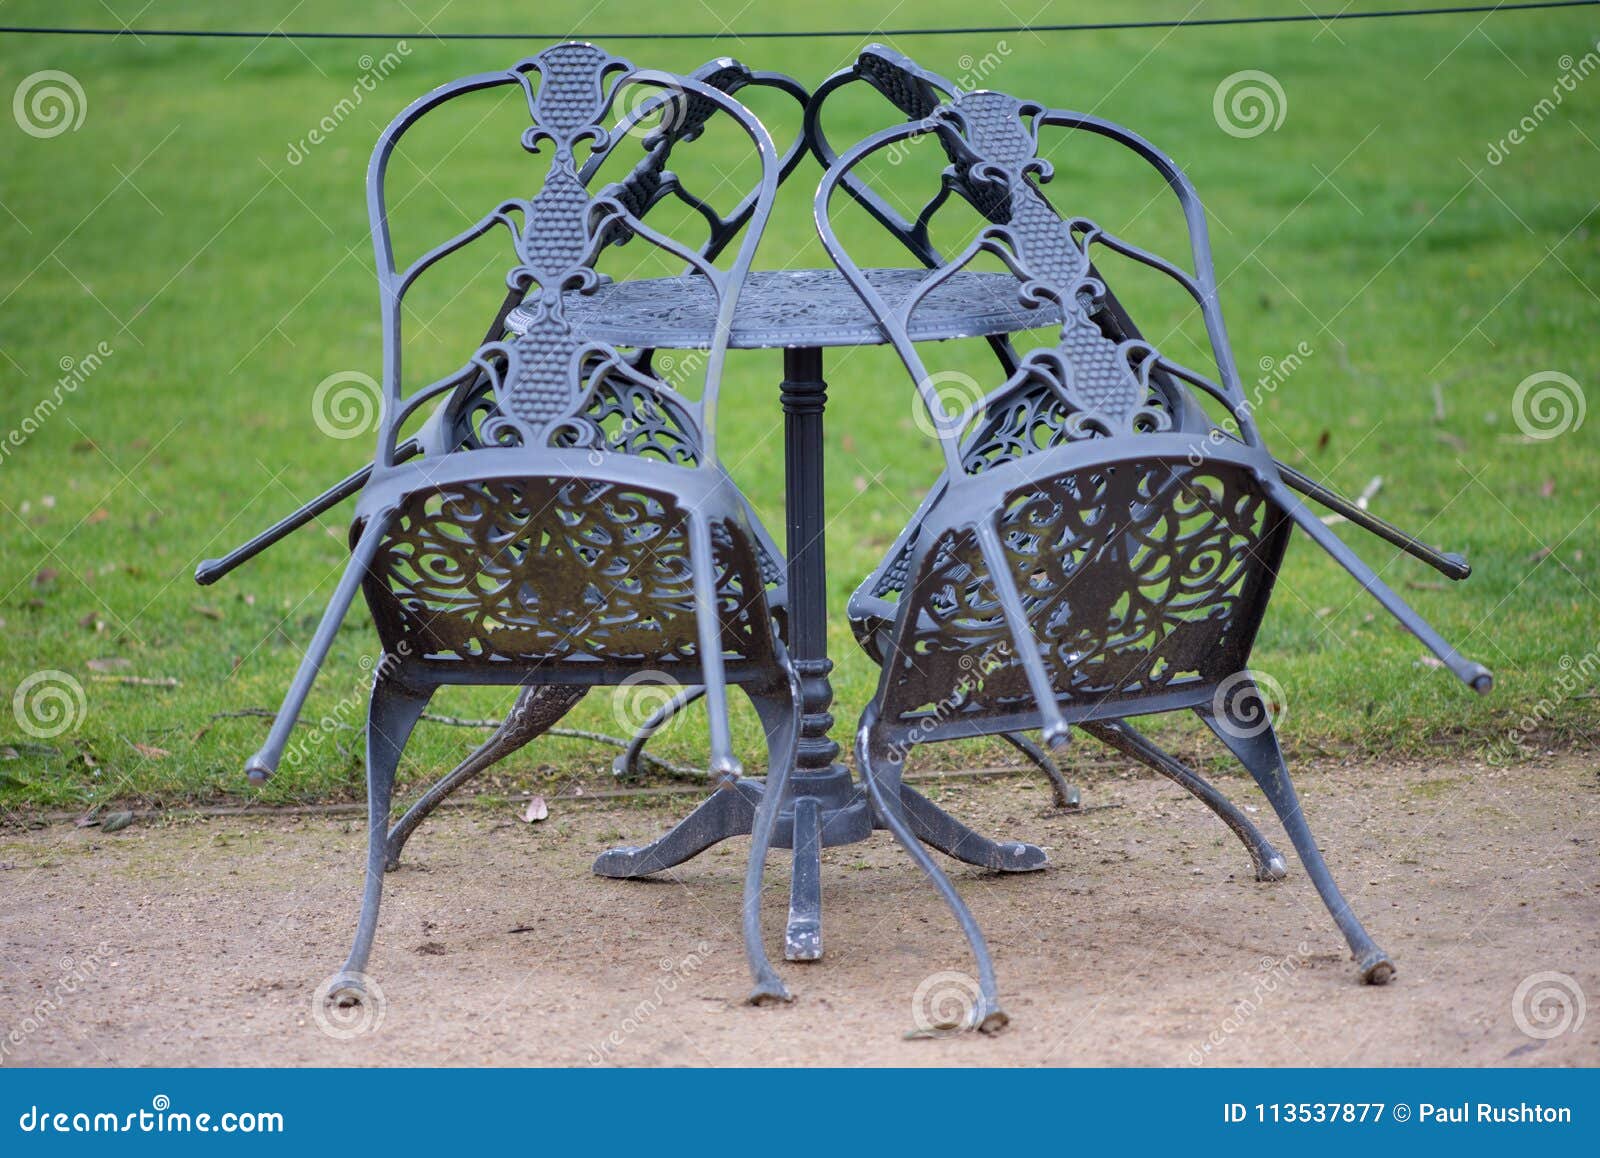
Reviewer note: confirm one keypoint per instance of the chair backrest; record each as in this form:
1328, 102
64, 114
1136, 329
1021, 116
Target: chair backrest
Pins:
541, 375
565, 529
1084, 553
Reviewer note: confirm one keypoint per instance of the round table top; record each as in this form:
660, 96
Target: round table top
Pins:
800, 307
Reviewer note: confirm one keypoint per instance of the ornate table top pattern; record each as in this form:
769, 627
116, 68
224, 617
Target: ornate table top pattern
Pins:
802, 307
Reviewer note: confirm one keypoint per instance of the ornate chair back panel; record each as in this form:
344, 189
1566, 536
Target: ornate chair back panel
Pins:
1139, 578
548, 569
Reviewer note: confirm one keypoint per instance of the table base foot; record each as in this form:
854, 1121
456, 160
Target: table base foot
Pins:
731, 811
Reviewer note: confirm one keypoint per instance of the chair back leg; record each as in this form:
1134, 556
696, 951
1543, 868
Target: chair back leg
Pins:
536, 711
780, 712
627, 765
392, 714
881, 770
1255, 743
1267, 861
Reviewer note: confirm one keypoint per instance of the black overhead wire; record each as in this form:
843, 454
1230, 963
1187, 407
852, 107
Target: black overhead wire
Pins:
785, 34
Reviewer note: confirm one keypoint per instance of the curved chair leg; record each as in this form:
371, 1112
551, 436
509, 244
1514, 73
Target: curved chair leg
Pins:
537, 709
1268, 861
1067, 795
627, 764
882, 776
392, 714
780, 718
1256, 745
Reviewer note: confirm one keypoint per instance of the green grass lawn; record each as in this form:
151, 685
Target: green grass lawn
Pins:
193, 270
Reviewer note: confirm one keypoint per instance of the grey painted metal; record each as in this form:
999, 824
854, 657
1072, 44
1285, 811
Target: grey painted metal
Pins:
569, 522
650, 183
1091, 552
796, 308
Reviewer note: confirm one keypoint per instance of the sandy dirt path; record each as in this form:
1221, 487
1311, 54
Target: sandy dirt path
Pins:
1147, 941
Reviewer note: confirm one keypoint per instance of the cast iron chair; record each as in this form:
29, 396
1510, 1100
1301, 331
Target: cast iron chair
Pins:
915, 92
682, 117
585, 530
1101, 562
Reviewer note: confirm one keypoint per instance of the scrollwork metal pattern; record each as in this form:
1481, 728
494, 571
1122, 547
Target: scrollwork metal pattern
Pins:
1133, 577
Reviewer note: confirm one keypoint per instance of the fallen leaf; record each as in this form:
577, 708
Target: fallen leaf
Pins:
93, 622
207, 611
116, 821
108, 663
1431, 661
45, 575
98, 515
1547, 488
150, 751
536, 811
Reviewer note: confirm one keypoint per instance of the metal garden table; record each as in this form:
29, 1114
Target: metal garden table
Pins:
802, 312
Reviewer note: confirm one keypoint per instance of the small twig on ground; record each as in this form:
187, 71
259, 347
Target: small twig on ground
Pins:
137, 681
